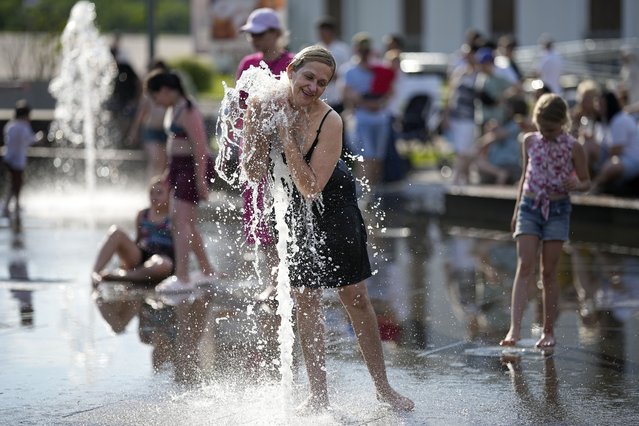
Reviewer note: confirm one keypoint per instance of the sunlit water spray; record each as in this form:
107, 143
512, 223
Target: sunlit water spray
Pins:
283, 207
82, 86
260, 83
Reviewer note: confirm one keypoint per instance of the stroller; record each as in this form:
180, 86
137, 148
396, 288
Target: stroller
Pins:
414, 123
416, 131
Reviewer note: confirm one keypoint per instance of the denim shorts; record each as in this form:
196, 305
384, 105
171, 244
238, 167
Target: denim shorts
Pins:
531, 222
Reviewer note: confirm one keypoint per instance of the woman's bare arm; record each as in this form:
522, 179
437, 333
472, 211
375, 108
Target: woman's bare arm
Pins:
194, 126
255, 151
310, 179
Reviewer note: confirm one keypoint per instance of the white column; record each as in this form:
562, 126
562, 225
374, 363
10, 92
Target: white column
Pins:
629, 18
377, 18
445, 25
301, 18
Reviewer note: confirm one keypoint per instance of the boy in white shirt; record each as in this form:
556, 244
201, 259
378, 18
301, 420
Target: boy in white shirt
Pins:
18, 136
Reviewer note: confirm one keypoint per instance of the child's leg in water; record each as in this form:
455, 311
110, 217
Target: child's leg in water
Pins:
527, 246
550, 254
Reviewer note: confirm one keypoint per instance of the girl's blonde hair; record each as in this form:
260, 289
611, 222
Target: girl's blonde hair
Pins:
314, 53
551, 108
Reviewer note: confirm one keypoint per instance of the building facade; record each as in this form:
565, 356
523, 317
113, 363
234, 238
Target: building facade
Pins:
440, 25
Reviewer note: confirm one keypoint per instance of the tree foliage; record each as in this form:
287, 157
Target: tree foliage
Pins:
50, 16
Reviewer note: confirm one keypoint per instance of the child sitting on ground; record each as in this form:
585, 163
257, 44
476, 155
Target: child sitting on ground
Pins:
150, 258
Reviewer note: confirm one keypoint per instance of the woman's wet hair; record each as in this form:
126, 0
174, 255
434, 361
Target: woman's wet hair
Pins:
551, 108
159, 78
315, 53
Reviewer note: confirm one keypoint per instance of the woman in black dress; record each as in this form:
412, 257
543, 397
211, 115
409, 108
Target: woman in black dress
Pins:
329, 250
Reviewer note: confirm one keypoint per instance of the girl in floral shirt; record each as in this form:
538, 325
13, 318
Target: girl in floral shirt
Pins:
554, 166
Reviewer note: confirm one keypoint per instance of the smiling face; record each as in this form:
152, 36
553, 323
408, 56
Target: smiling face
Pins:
308, 82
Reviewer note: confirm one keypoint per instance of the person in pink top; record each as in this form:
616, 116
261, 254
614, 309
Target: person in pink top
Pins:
264, 30
554, 166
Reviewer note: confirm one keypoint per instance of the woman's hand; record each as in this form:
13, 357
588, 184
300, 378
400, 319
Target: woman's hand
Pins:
288, 131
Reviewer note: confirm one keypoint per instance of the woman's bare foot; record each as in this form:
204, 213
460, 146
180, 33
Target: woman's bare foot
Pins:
313, 404
396, 400
547, 340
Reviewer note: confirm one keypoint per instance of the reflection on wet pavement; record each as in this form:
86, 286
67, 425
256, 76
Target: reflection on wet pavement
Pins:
123, 354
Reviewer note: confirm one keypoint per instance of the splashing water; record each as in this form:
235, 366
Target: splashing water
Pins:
277, 192
292, 216
84, 83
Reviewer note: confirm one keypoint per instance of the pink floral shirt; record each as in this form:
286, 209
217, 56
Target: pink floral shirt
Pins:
549, 164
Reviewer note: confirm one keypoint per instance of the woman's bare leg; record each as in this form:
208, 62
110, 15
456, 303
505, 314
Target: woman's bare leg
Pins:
157, 158
153, 270
199, 249
364, 321
117, 242
183, 218
310, 323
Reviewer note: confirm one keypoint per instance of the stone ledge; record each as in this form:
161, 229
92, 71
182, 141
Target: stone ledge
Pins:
595, 218
79, 153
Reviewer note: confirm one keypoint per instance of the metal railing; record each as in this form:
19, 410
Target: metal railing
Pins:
599, 59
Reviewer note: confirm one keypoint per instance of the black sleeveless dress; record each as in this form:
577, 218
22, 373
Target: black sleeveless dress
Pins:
332, 252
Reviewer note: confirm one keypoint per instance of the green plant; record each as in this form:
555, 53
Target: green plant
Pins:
217, 89
199, 72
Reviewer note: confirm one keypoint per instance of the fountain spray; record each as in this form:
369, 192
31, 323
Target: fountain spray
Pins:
84, 82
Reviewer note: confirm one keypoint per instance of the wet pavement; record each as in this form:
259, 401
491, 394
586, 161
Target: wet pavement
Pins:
125, 355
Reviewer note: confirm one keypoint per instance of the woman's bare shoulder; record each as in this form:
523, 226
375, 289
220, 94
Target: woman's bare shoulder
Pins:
332, 121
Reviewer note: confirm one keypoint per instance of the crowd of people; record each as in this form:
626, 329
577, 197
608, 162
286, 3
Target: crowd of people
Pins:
167, 232
485, 115
344, 101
